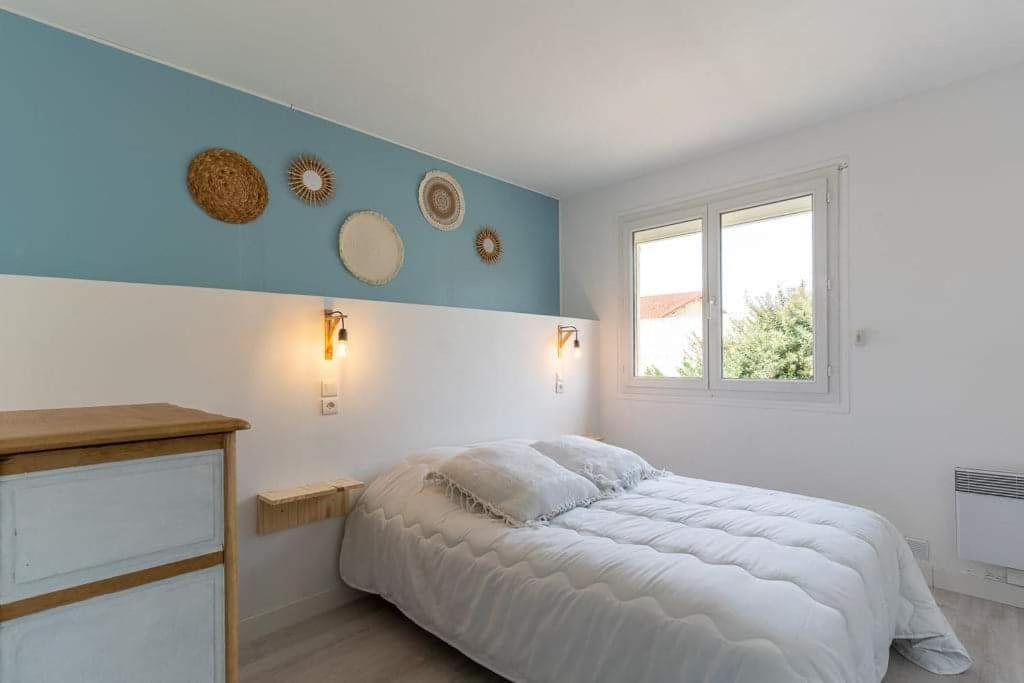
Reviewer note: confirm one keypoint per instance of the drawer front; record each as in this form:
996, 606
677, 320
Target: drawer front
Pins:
63, 528
170, 631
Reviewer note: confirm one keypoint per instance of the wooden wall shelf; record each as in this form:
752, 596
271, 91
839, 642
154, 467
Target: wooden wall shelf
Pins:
286, 508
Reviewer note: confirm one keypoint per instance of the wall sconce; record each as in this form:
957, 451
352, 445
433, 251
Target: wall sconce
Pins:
564, 332
335, 320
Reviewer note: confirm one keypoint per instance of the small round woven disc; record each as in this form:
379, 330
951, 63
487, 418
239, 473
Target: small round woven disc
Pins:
310, 179
488, 245
441, 200
227, 186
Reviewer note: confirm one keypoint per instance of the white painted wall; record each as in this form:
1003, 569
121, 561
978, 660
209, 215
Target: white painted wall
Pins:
416, 376
935, 252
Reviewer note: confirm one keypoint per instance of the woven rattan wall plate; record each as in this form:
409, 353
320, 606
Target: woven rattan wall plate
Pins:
488, 244
227, 186
311, 180
441, 200
370, 247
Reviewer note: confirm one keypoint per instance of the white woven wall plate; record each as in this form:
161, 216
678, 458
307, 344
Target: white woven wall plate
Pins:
370, 247
441, 200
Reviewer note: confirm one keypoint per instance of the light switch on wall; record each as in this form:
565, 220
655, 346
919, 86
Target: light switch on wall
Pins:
329, 387
559, 384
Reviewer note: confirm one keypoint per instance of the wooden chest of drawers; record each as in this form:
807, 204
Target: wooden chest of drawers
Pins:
117, 545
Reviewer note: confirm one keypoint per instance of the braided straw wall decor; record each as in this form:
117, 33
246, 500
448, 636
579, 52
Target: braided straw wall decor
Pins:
488, 245
227, 186
370, 247
441, 200
311, 180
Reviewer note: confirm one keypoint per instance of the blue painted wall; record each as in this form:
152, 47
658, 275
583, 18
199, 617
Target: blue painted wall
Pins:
95, 144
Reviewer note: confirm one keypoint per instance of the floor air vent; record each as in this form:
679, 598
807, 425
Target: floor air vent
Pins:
989, 510
922, 549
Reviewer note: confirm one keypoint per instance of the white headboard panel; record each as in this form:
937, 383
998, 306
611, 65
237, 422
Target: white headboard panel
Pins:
416, 376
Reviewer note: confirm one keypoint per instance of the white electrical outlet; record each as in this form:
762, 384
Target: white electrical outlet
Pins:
559, 384
328, 406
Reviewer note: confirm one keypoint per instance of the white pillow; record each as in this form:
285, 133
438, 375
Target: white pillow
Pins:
514, 482
613, 469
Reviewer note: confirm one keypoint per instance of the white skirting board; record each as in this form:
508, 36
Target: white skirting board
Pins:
962, 582
259, 625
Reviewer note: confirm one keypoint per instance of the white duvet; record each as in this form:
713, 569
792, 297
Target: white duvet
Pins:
675, 580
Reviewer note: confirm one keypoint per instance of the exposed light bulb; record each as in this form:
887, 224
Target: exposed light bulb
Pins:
341, 346
576, 351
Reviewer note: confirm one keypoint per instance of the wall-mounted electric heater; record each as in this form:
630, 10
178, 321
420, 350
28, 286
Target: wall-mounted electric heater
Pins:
990, 517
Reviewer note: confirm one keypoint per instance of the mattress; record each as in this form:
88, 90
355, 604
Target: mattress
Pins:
677, 579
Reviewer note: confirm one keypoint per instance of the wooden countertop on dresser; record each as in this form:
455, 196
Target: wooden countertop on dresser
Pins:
28, 431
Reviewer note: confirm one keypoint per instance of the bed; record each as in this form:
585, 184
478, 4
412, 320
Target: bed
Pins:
676, 579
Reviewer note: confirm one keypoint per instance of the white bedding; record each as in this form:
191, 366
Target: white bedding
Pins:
675, 580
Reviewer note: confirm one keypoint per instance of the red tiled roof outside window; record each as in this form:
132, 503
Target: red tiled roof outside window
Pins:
666, 305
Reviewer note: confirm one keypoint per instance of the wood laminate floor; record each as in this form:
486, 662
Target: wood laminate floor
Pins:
370, 640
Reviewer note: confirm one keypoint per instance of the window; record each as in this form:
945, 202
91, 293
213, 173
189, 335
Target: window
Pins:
669, 290
731, 295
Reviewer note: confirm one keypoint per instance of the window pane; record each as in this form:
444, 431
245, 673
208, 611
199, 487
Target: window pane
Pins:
669, 290
767, 312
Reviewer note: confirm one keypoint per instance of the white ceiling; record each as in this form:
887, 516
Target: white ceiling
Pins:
564, 95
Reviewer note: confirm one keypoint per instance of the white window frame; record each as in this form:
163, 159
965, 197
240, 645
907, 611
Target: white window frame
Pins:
823, 185
680, 214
